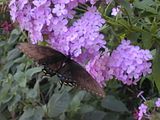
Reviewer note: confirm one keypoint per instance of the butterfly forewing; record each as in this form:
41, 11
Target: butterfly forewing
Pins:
39, 52
43, 55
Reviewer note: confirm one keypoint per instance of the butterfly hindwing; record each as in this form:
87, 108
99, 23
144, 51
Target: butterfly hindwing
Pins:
76, 75
84, 80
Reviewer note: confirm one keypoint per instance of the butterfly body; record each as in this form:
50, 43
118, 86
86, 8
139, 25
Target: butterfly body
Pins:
56, 63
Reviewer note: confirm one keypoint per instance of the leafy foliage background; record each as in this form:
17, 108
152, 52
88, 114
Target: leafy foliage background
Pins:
26, 94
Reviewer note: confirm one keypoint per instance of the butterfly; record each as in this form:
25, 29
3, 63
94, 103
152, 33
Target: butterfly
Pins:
56, 63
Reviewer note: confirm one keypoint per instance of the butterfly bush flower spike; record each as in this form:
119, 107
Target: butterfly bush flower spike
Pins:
82, 37
142, 111
108, 1
129, 63
99, 69
59, 10
32, 16
41, 17
158, 103
115, 11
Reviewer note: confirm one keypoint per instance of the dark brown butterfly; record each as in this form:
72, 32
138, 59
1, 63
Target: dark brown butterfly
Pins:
56, 63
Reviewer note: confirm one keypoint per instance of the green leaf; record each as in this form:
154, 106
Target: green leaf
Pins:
20, 78
94, 115
5, 95
58, 104
14, 53
156, 68
111, 116
2, 43
8, 65
146, 5
30, 72
21, 67
147, 40
62, 117
32, 114
127, 7
86, 108
76, 101
20, 59
2, 116
14, 36
13, 103
111, 103
32, 93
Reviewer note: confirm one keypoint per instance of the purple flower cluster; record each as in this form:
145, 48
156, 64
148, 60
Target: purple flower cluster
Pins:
129, 63
157, 103
50, 17
98, 67
39, 16
145, 111
31, 16
116, 11
108, 1
82, 38
142, 111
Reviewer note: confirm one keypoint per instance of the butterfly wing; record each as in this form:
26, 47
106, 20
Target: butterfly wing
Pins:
84, 80
74, 74
69, 71
50, 58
